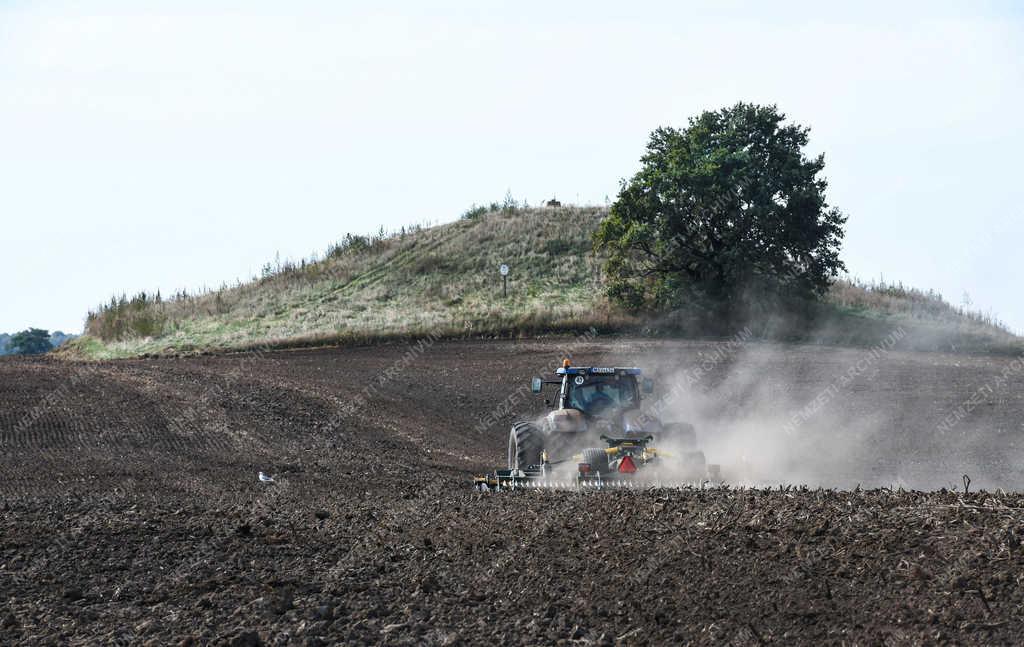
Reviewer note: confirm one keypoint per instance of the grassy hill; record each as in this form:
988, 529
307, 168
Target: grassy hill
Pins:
444, 281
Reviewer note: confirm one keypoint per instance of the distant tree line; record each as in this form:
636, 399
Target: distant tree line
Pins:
33, 341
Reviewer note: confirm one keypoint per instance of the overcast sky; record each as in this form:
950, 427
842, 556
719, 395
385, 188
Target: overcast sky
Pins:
169, 145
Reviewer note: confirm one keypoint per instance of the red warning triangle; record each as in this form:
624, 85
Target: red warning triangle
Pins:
626, 466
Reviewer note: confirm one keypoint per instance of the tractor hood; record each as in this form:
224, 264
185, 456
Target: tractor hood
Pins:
567, 420
629, 422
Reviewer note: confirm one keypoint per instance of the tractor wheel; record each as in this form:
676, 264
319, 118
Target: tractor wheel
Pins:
597, 459
525, 444
679, 434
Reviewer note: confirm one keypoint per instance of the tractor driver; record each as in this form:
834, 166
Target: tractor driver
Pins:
599, 400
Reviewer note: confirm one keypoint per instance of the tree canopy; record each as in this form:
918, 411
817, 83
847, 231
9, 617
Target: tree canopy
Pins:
727, 204
30, 342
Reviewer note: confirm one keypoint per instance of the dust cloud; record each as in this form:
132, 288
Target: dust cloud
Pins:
781, 414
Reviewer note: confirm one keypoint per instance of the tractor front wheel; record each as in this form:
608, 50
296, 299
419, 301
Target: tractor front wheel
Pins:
525, 446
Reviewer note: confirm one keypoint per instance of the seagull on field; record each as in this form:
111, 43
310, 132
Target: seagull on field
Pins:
266, 479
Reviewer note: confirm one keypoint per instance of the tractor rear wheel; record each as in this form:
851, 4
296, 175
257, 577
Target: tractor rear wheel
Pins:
679, 434
525, 445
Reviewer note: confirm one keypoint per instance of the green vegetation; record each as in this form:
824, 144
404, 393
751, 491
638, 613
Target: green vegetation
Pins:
444, 281
727, 206
30, 342
56, 339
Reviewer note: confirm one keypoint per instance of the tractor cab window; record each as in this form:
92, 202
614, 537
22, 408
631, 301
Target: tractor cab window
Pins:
601, 393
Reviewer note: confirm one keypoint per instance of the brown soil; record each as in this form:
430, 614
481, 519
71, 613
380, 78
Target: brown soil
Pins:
131, 510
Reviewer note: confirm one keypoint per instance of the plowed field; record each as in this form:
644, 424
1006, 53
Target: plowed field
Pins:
132, 513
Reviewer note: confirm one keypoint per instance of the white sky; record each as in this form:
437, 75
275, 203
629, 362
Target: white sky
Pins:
150, 145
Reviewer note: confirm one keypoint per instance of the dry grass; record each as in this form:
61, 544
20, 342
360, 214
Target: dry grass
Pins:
444, 281
897, 299
935, 322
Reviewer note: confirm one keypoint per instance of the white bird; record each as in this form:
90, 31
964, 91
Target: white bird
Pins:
266, 479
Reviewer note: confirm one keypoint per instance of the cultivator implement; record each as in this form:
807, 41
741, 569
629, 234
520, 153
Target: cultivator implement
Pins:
625, 463
504, 480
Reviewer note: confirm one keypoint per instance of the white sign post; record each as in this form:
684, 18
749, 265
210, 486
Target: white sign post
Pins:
504, 280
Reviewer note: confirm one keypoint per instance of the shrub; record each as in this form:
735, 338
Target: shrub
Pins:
475, 211
350, 243
140, 316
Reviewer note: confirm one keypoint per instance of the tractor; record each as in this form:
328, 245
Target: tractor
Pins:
597, 434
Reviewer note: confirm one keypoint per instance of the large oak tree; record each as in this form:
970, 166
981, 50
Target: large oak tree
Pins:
731, 203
